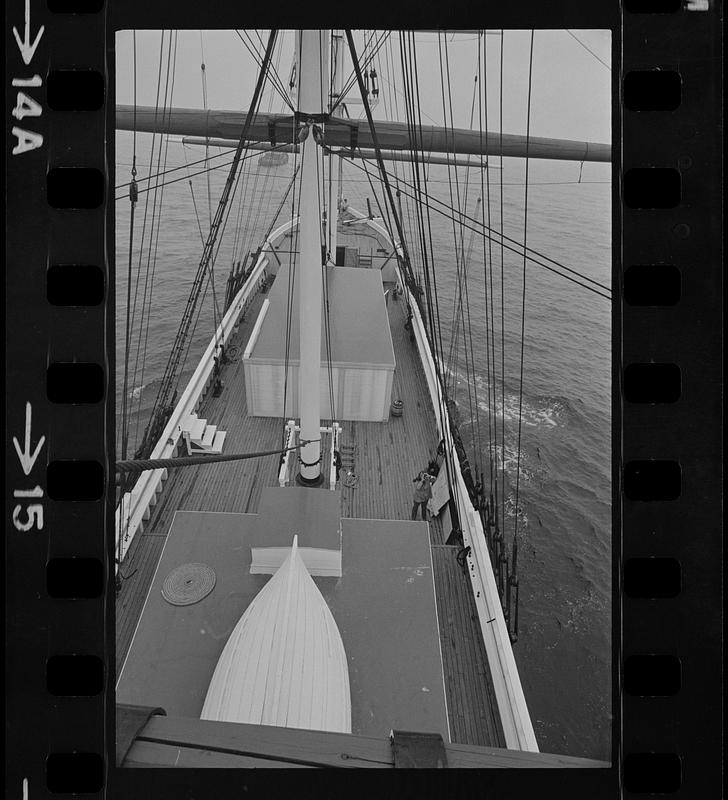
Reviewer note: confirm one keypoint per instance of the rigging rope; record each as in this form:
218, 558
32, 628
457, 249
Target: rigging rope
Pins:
155, 229
328, 215
274, 78
464, 309
366, 59
160, 408
520, 252
207, 146
274, 68
293, 230
132, 310
186, 166
208, 284
133, 199
321, 190
502, 286
523, 297
138, 465
411, 85
377, 148
215, 305
589, 50
283, 145
488, 288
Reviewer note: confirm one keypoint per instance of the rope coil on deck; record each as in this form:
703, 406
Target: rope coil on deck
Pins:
188, 584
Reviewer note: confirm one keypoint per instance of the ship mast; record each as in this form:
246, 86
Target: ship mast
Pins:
334, 183
312, 48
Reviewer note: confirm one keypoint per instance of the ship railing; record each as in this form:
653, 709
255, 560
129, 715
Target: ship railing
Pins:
268, 246
135, 506
256, 329
516, 721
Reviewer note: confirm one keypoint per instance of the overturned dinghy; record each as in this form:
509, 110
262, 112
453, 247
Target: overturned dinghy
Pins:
284, 663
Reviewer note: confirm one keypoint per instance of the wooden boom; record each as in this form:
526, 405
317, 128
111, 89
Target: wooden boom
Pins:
339, 132
387, 155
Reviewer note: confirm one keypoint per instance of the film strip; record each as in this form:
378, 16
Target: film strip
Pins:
670, 204
60, 418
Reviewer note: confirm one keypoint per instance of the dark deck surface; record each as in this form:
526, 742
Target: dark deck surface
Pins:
383, 604
386, 457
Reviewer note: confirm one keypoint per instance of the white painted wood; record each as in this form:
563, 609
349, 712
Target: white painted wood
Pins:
208, 436
197, 430
317, 560
284, 663
256, 329
313, 55
360, 394
291, 429
218, 442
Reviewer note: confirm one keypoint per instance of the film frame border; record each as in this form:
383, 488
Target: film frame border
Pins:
73, 430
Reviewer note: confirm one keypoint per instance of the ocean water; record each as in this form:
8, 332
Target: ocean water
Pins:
564, 515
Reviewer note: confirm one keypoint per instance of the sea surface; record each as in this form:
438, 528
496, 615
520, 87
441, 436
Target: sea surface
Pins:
564, 510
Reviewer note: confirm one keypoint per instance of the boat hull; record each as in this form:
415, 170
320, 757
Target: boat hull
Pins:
284, 663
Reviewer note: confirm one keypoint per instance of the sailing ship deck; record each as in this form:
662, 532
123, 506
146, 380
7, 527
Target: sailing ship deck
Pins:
386, 457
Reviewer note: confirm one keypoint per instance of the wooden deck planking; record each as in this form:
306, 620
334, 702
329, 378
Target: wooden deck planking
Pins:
467, 674
390, 455
137, 574
234, 486
387, 457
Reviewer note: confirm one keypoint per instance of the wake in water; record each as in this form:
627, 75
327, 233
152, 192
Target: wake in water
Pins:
584, 608
512, 512
137, 391
543, 411
529, 469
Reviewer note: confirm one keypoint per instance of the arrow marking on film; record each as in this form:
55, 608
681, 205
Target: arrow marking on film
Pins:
27, 459
27, 50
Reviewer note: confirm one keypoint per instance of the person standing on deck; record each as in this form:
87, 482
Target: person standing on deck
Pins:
423, 492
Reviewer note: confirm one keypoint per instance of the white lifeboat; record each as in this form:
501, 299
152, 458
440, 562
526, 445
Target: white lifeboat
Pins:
284, 663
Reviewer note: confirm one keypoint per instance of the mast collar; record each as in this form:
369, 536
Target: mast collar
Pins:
302, 116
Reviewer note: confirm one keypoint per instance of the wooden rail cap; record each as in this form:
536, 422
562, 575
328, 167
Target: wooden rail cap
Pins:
163, 741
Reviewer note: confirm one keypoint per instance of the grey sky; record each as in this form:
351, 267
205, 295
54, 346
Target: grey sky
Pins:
571, 91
